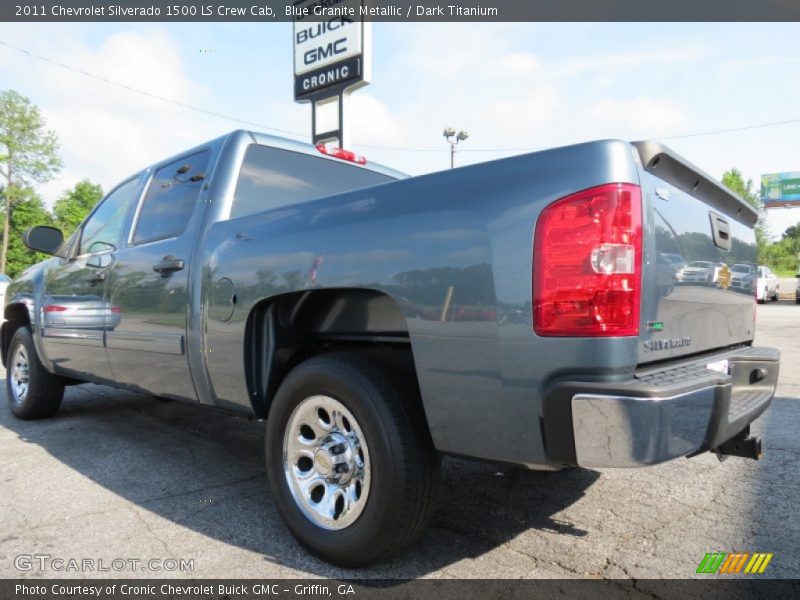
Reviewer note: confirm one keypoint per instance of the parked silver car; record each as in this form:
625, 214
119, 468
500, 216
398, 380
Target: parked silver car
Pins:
743, 277
676, 259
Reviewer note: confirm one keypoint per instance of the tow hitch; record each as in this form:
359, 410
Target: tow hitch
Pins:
741, 445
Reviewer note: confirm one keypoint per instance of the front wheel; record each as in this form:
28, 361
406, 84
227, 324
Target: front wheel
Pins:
33, 392
350, 460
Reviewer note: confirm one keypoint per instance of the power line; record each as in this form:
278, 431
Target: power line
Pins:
146, 93
671, 137
731, 130
370, 146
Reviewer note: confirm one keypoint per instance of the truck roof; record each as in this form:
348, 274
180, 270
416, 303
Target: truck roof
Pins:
241, 135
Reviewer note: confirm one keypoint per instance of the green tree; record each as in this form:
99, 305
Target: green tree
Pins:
792, 232
784, 252
28, 155
73, 206
734, 181
28, 211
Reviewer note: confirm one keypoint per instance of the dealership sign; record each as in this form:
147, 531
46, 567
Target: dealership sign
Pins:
331, 48
779, 189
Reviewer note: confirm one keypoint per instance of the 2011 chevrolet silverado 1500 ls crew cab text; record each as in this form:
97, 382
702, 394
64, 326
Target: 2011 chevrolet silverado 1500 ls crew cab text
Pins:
526, 311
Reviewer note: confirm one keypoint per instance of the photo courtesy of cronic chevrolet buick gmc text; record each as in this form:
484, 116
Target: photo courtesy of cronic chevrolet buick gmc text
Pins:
535, 310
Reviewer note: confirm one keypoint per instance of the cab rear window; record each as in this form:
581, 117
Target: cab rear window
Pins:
271, 178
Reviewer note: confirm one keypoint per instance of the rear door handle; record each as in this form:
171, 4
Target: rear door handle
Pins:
98, 277
170, 264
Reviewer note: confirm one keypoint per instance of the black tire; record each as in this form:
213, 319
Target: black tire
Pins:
404, 465
44, 392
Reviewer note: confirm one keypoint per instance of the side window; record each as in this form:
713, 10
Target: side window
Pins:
102, 230
271, 177
171, 199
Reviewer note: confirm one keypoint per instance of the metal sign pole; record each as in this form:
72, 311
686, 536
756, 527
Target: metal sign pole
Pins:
338, 134
342, 143
314, 122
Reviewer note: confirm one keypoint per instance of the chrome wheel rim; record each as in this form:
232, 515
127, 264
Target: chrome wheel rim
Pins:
326, 462
20, 375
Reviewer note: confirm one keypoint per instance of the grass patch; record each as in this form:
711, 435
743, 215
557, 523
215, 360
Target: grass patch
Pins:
790, 273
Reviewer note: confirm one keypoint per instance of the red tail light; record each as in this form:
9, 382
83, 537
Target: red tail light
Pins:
587, 263
342, 154
54, 308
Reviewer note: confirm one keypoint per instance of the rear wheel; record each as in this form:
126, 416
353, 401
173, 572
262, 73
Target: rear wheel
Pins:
33, 392
350, 460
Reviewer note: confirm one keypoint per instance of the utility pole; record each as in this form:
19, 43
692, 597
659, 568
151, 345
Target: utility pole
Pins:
453, 138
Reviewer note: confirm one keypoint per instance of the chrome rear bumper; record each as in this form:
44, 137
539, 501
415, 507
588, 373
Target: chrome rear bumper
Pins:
670, 412
620, 431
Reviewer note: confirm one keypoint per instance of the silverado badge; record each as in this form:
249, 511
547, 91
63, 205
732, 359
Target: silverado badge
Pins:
667, 344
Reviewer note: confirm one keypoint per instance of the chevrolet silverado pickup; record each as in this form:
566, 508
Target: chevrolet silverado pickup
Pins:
525, 311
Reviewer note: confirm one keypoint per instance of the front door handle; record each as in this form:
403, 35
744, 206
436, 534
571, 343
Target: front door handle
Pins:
96, 278
170, 264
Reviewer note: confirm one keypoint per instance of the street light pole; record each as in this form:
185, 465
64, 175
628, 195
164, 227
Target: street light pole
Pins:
453, 138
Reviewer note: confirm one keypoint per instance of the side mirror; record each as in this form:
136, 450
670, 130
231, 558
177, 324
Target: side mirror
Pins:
43, 239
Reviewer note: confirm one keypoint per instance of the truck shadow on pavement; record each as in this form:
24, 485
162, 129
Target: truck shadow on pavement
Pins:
204, 471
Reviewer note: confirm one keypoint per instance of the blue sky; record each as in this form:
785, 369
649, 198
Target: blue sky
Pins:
513, 86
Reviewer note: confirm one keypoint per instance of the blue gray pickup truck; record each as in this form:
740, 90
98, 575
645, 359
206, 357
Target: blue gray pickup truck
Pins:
527, 311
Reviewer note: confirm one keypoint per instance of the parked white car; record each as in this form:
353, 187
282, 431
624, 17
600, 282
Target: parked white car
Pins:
767, 287
4, 281
699, 271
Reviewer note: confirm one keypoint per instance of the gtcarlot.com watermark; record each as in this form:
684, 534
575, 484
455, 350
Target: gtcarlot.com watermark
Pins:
60, 564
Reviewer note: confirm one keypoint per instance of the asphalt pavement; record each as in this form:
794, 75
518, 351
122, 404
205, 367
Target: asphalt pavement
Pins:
122, 476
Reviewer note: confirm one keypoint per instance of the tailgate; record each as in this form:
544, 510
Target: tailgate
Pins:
699, 248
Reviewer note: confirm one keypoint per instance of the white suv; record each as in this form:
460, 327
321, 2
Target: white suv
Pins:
766, 285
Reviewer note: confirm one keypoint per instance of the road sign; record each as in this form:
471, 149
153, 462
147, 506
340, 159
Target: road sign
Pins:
780, 189
332, 52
